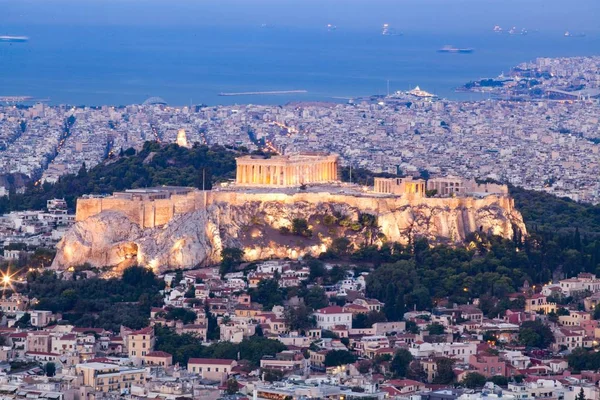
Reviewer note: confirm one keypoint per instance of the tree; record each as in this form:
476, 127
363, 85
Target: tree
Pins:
535, 334
581, 395
445, 373
300, 227
299, 317
316, 298
230, 258
271, 375
400, 363
50, 369
367, 320
597, 311
336, 358
212, 326
436, 329
232, 386
267, 293
473, 380
341, 246
336, 274
190, 293
317, 270
499, 380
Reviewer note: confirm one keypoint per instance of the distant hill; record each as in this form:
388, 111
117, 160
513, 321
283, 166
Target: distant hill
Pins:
154, 165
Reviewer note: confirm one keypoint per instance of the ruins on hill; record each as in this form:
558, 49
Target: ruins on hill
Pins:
180, 227
287, 170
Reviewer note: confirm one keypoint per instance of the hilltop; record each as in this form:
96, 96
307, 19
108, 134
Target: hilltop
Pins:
153, 165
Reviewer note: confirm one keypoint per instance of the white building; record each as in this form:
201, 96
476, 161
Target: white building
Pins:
329, 317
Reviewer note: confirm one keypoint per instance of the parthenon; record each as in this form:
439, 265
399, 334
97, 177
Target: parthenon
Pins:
287, 170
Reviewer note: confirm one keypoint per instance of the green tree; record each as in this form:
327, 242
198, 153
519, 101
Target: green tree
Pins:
499, 380
473, 380
445, 373
316, 298
535, 334
50, 369
230, 258
316, 270
400, 363
341, 246
232, 386
190, 293
336, 358
267, 293
581, 395
597, 311
436, 329
300, 227
299, 317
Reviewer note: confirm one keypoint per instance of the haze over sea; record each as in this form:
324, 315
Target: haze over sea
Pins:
96, 52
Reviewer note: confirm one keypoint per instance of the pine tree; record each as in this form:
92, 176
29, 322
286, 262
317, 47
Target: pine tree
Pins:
581, 395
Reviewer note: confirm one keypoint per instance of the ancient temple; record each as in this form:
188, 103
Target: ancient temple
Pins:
287, 170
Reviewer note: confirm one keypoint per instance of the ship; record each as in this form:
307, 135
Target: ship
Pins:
451, 49
14, 39
331, 27
498, 29
387, 30
569, 34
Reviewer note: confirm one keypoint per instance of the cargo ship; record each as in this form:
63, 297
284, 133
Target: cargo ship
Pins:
452, 49
14, 39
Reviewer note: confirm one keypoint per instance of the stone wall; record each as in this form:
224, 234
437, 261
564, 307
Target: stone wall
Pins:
154, 213
194, 228
144, 213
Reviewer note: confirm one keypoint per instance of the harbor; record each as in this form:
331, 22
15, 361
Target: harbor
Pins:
271, 92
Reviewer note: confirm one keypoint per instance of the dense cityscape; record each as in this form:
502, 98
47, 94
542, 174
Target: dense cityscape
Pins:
484, 139
281, 277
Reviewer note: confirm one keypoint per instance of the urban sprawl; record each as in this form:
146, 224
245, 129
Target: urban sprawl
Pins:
540, 131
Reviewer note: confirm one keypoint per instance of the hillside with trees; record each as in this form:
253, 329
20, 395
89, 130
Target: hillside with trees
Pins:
153, 165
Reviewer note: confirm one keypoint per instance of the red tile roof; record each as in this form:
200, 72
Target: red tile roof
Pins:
332, 310
210, 361
159, 354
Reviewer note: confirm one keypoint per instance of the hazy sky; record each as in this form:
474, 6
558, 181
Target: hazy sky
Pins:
428, 15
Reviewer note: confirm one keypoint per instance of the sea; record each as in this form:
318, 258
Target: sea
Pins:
119, 52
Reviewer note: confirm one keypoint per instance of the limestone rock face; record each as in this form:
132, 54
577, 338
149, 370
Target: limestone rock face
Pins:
101, 240
197, 238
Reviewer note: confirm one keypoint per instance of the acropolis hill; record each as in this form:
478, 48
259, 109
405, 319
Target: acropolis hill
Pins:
178, 227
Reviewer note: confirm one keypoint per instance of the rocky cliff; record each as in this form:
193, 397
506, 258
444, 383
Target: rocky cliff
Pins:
253, 222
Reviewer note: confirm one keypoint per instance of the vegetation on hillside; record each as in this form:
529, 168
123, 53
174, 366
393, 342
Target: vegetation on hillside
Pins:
153, 165
95, 302
544, 212
183, 347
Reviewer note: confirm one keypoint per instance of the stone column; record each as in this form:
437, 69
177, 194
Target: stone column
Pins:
271, 175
